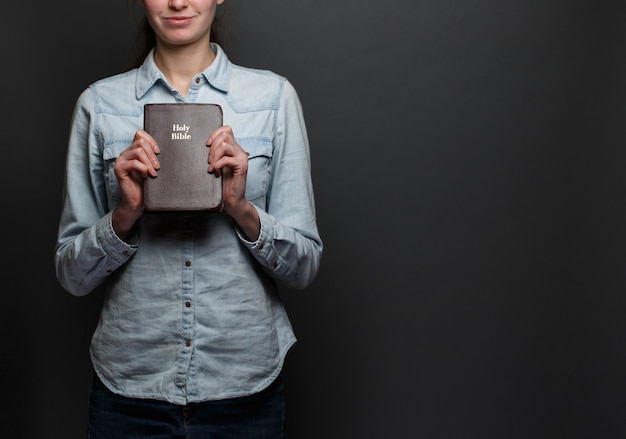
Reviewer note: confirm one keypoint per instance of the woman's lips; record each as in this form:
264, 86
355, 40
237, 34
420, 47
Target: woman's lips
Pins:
178, 21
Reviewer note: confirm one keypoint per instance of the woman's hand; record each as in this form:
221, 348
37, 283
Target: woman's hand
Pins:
132, 167
228, 159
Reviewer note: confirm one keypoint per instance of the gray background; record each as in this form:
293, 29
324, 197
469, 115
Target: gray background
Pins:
467, 162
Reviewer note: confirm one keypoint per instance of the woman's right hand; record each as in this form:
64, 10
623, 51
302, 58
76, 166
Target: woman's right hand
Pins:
132, 167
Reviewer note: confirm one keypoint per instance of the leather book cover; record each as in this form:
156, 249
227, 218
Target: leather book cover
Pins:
183, 182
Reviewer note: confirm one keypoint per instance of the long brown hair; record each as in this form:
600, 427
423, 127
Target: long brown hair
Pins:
146, 38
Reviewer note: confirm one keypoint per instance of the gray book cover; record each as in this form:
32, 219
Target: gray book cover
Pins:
183, 182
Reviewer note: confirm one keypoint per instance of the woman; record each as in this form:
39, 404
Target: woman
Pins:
192, 335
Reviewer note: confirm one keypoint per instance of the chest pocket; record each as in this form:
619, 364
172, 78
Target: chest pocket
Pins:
110, 153
259, 167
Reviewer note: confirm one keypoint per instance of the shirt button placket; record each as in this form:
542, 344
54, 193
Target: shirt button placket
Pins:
187, 302
186, 297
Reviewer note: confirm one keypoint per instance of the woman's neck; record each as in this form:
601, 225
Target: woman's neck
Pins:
181, 64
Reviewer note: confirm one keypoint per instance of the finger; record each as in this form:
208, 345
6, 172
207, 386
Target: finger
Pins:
235, 165
149, 149
140, 158
220, 147
222, 144
131, 168
225, 129
144, 140
144, 135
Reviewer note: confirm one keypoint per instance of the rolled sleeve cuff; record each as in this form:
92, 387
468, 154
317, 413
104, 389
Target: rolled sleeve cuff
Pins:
263, 249
119, 251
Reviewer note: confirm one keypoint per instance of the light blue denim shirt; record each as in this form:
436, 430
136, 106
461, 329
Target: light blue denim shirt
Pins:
191, 310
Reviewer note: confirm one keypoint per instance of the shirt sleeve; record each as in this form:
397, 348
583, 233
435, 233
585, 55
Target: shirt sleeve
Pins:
289, 246
87, 249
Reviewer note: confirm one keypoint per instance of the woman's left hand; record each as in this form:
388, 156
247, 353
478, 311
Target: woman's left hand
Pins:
228, 159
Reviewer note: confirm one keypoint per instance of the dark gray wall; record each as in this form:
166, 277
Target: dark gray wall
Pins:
468, 164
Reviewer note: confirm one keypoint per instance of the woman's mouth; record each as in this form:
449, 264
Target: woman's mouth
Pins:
178, 21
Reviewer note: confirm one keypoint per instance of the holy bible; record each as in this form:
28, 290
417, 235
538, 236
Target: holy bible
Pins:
183, 182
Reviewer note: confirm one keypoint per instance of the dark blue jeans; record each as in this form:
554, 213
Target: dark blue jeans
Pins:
259, 416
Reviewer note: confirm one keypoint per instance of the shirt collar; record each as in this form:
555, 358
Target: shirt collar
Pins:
217, 74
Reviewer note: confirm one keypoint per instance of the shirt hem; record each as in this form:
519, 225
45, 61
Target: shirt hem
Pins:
182, 401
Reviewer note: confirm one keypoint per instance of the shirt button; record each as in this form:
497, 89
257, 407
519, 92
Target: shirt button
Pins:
187, 343
274, 264
188, 304
197, 80
188, 264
